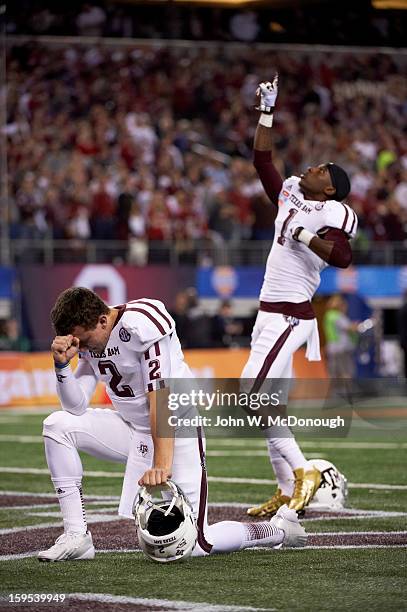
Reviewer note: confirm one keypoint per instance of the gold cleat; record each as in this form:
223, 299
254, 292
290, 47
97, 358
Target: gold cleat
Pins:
270, 507
305, 487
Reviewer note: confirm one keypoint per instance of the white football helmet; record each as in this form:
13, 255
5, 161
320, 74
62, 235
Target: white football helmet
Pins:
333, 490
166, 528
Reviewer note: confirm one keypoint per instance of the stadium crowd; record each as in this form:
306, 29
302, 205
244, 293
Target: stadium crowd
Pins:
153, 143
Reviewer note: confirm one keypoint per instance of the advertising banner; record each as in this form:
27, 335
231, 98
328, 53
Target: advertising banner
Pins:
28, 380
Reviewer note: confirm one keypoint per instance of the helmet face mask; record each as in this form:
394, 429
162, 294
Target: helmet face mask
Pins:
333, 490
165, 523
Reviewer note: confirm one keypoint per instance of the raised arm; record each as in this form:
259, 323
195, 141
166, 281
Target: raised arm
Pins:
263, 142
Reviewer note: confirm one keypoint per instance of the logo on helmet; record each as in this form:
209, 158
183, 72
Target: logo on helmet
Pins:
165, 522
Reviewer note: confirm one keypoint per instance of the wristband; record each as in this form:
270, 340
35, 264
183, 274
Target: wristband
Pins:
266, 120
59, 366
305, 237
63, 373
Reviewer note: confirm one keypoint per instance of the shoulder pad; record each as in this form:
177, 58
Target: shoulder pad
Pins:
147, 321
340, 216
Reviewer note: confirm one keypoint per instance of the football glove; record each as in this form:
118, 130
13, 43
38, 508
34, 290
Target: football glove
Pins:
267, 92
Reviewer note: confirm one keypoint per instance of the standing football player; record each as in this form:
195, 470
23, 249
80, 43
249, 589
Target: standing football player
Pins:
312, 230
134, 349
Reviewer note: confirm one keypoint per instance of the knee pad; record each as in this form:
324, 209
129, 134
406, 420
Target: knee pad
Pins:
57, 426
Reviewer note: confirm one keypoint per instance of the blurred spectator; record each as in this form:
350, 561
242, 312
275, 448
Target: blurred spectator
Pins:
403, 331
334, 23
340, 340
138, 246
244, 26
180, 315
11, 338
226, 329
198, 328
91, 20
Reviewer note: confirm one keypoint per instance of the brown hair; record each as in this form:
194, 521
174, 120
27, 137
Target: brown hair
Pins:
77, 306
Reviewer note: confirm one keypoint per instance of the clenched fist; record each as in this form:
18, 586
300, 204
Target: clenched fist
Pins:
154, 476
64, 348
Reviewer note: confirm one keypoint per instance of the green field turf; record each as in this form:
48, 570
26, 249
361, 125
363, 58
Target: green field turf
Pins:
319, 579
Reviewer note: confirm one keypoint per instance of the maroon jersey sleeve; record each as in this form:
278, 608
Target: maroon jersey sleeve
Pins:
341, 255
268, 174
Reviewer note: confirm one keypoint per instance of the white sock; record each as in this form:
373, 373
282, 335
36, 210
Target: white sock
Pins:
282, 470
66, 473
262, 534
230, 536
287, 446
70, 499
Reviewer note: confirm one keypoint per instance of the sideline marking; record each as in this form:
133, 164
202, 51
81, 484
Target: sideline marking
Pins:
221, 479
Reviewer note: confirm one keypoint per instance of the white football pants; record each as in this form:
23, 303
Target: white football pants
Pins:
275, 339
103, 433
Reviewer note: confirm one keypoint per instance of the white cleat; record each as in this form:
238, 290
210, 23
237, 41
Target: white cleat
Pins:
294, 533
70, 547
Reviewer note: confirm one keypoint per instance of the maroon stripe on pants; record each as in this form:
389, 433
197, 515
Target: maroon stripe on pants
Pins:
271, 357
202, 497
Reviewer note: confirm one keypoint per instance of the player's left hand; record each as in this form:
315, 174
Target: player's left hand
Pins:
295, 231
154, 476
267, 94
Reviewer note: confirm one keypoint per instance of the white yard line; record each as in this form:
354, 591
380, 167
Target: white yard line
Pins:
112, 498
337, 444
46, 507
166, 604
91, 518
330, 546
255, 453
355, 533
91, 514
221, 479
23, 470
244, 443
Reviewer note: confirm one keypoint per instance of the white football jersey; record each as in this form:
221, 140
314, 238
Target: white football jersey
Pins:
142, 353
292, 269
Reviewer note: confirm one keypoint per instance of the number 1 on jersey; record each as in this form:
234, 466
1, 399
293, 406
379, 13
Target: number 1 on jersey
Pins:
291, 214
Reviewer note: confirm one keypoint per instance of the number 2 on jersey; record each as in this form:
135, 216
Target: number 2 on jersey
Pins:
108, 366
291, 214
